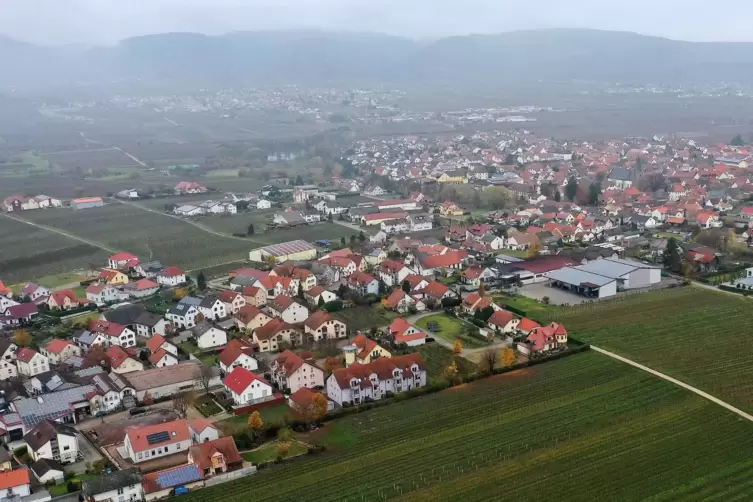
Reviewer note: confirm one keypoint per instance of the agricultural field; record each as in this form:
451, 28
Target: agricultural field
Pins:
699, 336
90, 159
178, 200
584, 427
146, 234
363, 318
28, 253
311, 233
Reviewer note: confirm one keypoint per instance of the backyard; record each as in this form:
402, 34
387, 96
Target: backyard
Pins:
275, 415
450, 329
362, 318
270, 451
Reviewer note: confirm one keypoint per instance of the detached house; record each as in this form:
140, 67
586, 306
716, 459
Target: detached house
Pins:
363, 350
400, 301
171, 276
544, 339
319, 295
233, 301
7, 359
393, 272
65, 299
503, 321
31, 363
162, 353
154, 441
238, 353
322, 326
362, 382
271, 335
52, 441
246, 388
287, 309
404, 332
216, 456
290, 371
209, 336
116, 334
114, 277
363, 283
60, 350
101, 294
35, 292
212, 307
122, 362
183, 315
122, 260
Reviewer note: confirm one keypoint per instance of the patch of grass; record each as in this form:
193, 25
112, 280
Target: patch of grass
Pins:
363, 317
437, 358
270, 416
450, 329
599, 429
223, 173
269, 452
58, 490
206, 406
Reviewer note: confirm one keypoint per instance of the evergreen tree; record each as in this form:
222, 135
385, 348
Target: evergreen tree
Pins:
571, 188
557, 196
737, 141
594, 190
250, 230
201, 281
361, 236
406, 286
299, 180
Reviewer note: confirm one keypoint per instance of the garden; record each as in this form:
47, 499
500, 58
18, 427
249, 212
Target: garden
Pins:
452, 329
599, 429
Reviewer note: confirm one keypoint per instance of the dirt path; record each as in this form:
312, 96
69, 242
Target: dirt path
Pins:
675, 381
61, 232
129, 155
189, 222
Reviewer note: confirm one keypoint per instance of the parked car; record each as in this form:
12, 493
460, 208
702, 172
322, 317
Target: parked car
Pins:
136, 411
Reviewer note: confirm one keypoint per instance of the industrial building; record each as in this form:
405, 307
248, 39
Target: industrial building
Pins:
286, 251
604, 278
87, 203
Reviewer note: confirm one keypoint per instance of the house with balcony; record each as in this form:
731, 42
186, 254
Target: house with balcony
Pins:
291, 371
276, 332
360, 383
53, 441
322, 325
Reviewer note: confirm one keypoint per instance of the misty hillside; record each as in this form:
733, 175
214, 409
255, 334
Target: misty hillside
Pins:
315, 57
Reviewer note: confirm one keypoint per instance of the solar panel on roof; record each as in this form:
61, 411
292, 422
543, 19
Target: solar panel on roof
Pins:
158, 437
179, 476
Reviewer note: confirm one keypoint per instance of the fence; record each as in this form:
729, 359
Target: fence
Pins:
230, 476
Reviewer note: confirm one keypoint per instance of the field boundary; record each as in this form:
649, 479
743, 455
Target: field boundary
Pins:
60, 232
677, 382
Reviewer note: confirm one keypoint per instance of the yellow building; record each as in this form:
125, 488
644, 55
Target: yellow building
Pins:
363, 350
113, 277
457, 177
450, 209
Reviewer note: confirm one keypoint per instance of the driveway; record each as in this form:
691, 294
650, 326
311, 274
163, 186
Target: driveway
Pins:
556, 296
90, 453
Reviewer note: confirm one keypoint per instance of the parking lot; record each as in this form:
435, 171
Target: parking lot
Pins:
556, 296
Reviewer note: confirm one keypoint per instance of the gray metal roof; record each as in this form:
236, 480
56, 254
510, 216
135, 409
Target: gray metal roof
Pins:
570, 275
607, 268
111, 481
50, 406
286, 248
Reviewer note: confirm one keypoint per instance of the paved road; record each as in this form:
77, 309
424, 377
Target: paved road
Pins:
352, 226
675, 381
61, 232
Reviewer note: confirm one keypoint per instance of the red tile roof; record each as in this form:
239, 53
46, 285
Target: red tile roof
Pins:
501, 318
15, 478
399, 329
290, 361
365, 345
248, 313
233, 351
157, 355
527, 325
382, 367
361, 278
272, 328
26, 354
228, 296
56, 345
172, 272
546, 264
117, 356
177, 430
61, 295
435, 289
123, 256
202, 453
450, 258
303, 397
316, 319
155, 342
240, 378
144, 284
395, 298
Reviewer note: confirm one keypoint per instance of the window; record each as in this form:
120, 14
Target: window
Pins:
120, 491
66, 448
141, 456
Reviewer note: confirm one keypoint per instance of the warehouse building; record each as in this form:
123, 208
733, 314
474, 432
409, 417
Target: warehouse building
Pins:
87, 203
583, 283
287, 251
604, 278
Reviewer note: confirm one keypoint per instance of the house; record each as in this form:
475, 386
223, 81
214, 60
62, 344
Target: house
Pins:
161, 358
184, 314
122, 362
149, 269
403, 331
189, 187
19, 314
19, 203
429, 265
48, 471
209, 336
291, 371
474, 276
111, 276
474, 302
373, 381
101, 294
15, 483
54, 441
521, 242
233, 301
171, 276
154, 441
141, 288
254, 296
363, 350
249, 318
216, 456
526, 325
238, 353
263, 204
5, 291
148, 324
302, 400
363, 283
64, 299
401, 302
116, 334
620, 178
374, 191
122, 260
544, 339
392, 272
448, 208
276, 332
8, 367
161, 484
31, 363
59, 350
322, 326
202, 430
297, 250
34, 292
420, 222
164, 382
503, 321
454, 177
319, 296
245, 388
212, 307
87, 340
120, 486
287, 309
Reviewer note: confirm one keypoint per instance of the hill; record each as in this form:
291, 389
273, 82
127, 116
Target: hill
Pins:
318, 57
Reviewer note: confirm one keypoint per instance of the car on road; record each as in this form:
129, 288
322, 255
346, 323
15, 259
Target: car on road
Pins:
136, 411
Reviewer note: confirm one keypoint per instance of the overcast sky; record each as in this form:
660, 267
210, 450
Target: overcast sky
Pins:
107, 21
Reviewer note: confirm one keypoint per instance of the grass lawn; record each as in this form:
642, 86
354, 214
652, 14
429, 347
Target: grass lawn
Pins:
450, 329
268, 452
513, 252
207, 358
84, 318
529, 305
53, 281
223, 173
699, 336
270, 416
365, 317
437, 358
597, 428
206, 406
58, 490
667, 235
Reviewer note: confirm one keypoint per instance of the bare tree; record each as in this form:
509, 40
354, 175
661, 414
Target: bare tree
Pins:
204, 376
489, 360
182, 401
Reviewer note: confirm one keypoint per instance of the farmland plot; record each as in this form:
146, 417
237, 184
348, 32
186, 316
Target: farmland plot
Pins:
147, 234
702, 337
29, 253
90, 159
580, 428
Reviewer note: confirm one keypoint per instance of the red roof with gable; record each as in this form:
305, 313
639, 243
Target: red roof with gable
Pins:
527, 325
501, 318
117, 356
240, 378
155, 342
56, 345
400, 326
172, 272
123, 256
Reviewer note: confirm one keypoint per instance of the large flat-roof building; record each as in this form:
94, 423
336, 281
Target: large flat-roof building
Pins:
604, 278
285, 251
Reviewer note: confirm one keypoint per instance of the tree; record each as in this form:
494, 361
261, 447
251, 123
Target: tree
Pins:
571, 188
320, 303
737, 141
451, 372
255, 423
250, 230
298, 180
557, 196
481, 289
489, 360
78, 192
182, 401
484, 314
382, 287
201, 281
180, 293
672, 255
406, 286
638, 165
594, 190
534, 250
458, 348
342, 241
352, 240
204, 377
22, 337
148, 400
332, 363
300, 290
318, 406
361, 236
508, 357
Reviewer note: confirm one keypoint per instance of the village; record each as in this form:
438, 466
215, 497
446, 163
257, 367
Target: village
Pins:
463, 251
